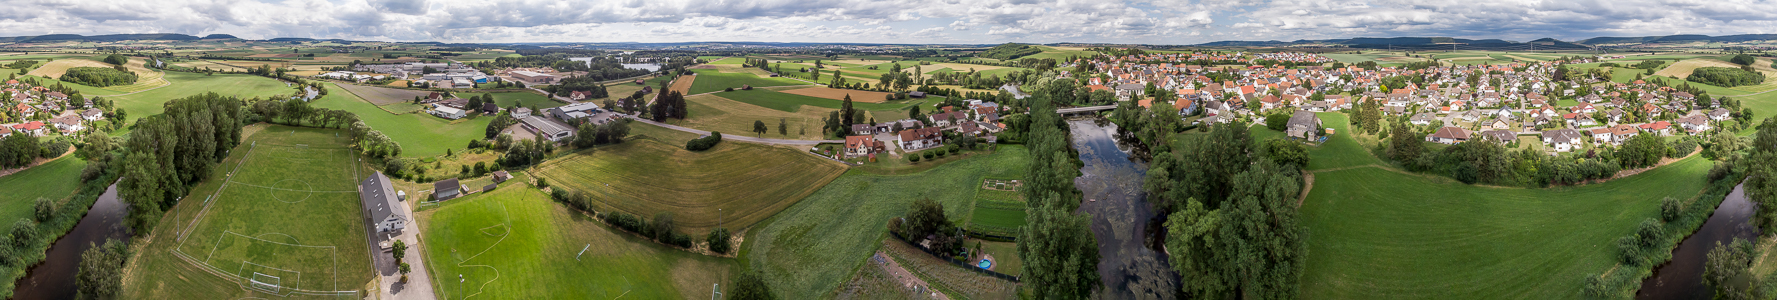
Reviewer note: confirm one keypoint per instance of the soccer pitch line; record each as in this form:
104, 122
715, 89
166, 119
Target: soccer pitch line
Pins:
209, 201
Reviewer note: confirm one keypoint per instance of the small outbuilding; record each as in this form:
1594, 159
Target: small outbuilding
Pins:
446, 189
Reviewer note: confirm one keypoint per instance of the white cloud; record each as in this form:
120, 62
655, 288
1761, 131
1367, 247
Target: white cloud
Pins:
968, 21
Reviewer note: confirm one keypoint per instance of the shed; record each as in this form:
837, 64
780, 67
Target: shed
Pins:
446, 189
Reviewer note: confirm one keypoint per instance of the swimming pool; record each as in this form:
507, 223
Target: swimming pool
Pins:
985, 264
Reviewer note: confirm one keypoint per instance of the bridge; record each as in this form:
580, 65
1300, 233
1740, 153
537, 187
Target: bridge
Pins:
1084, 110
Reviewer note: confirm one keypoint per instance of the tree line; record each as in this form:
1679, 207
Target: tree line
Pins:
1726, 77
169, 153
99, 77
1058, 248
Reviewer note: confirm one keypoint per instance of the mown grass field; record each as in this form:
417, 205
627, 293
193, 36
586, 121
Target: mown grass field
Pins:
806, 251
788, 102
712, 80
53, 180
733, 185
291, 210
419, 134
997, 212
514, 243
152, 102
1061, 53
1382, 234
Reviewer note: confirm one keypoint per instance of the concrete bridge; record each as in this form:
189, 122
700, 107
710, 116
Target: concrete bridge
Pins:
1084, 110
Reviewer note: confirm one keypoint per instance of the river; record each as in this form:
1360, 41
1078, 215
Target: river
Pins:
54, 278
1130, 265
1682, 278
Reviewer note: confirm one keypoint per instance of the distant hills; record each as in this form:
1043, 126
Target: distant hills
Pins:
1433, 43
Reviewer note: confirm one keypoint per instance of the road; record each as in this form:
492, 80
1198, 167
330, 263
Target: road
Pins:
738, 138
419, 281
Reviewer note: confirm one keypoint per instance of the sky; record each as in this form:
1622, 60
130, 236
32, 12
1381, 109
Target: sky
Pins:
901, 21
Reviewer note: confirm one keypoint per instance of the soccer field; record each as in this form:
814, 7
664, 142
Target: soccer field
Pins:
285, 220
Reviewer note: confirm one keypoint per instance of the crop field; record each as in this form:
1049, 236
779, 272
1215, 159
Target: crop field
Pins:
514, 243
809, 249
419, 134
729, 61
997, 212
53, 180
1383, 234
682, 84
840, 94
713, 113
183, 85
733, 185
382, 95
713, 81
279, 218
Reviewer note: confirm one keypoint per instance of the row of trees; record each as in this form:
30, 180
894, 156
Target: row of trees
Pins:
19, 149
1058, 248
579, 84
1726, 77
588, 134
170, 152
99, 77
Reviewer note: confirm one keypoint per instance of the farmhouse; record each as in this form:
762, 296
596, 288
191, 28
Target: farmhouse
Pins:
861, 145
380, 203
922, 138
1303, 124
1449, 135
546, 128
446, 189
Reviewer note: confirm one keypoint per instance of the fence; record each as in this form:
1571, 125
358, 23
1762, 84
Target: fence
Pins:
959, 263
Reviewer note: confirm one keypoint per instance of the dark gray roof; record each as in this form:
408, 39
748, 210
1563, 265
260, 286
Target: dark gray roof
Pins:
1304, 118
378, 198
446, 185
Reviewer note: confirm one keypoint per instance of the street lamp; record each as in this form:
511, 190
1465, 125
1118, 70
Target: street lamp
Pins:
460, 286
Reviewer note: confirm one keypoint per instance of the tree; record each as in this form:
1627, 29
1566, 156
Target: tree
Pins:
400, 250
1286, 152
924, 217
45, 209
101, 270
846, 113
1728, 270
783, 126
750, 286
1060, 254
759, 127
1252, 246
719, 240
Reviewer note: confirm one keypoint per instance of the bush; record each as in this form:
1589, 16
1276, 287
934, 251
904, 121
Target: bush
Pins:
45, 209
117, 59
23, 232
1629, 248
1670, 208
1742, 59
719, 240
1277, 122
1682, 148
729, 89
927, 154
704, 143
913, 158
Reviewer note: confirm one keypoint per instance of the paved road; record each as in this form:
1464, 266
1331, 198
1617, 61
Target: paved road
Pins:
419, 282
736, 137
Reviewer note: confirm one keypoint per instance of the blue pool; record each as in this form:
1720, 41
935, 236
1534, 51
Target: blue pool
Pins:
985, 264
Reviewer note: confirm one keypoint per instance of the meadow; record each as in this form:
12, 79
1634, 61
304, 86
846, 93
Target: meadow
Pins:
152, 102
732, 185
146, 78
284, 203
713, 81
54, 180
997, 212
1379, 233
808, 250
789, 102
419, 134
514, 243
714, 113
1061, 53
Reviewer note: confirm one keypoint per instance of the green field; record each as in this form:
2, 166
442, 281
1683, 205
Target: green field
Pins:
713, 81
1382, 234
419, 134
290, 210
184, 84
524, 99
53, 180
997, 213
1059, 54
809, 249
735, 184
729, 61
514, 243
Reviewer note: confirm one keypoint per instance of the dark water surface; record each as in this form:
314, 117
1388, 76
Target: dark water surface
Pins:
1121, 216
1682, 278
54, 278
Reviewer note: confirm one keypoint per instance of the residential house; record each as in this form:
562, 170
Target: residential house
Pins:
1719, 114
862, 145
91, 115
68, 123
948, 119
1622, 133
1562, 140
34, 128
921, 138
1449, 135
1656, 128
380, 201
1694, 123
1422, 119
1500, 136
863, 129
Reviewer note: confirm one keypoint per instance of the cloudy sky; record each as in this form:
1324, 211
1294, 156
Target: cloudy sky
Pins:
900, 21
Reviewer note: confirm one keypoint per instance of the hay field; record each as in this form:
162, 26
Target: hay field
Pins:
1683, 69
735, 184
146, 78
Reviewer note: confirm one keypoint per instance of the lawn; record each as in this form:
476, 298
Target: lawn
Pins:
788, 102
1383, 234
807, 250
712, 80
419, 134
514, 243
290, 210
733, 185
184, 84
53, 180
1339, 151
997, 213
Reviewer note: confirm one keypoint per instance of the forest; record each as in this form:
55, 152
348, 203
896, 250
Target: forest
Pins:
1725, 77
99, 77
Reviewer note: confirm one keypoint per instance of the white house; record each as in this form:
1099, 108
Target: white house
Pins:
380, 203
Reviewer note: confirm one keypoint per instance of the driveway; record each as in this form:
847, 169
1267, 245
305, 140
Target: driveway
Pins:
736, 137
419, 282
